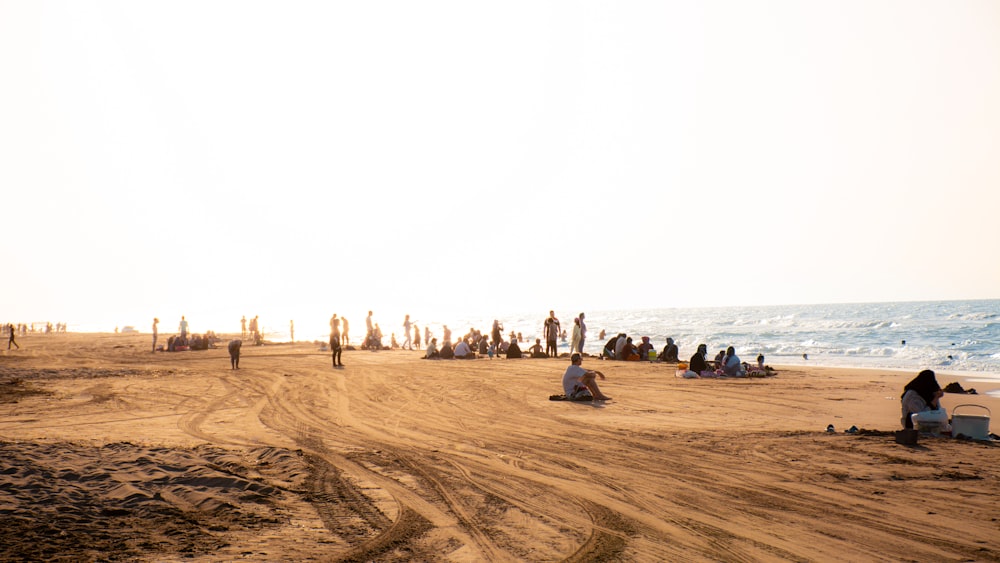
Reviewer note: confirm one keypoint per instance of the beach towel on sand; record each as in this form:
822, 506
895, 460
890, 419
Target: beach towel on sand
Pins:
561, 397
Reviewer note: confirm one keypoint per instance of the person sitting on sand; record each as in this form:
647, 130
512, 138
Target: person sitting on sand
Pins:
645, 348
447, 353
731, 364
536, 350
699, 364
609, 348
513, 350
669, 353
234, 353
579, 383
629, 352
921, 394
463, 351
432, 349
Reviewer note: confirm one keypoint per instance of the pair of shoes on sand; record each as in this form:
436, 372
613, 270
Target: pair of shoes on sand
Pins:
851, 430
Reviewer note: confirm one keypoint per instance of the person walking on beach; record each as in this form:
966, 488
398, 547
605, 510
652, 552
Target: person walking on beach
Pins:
579, 383
156, 322
336, 349
10, 331
551, 331
234, 353
407, 325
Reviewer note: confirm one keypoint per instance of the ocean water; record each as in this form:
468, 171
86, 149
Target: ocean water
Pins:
960, 337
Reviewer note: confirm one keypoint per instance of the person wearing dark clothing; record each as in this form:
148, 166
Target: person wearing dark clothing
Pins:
670, 352
609, 348
10, 329
698, 363
513, 351
336, 349
921, 394
234, 353
447, 353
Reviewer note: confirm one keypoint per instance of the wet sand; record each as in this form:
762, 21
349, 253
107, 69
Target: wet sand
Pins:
111, 452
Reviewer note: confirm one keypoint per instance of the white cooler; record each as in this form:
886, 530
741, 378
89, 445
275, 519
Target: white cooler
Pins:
975, 426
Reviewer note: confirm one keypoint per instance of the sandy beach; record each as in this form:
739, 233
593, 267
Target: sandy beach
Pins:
111, 452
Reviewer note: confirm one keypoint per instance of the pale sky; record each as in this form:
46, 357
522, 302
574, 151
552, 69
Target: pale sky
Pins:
303, 158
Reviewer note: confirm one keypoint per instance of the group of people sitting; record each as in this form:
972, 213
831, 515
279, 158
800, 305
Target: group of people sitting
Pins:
469, 348
621, 347
182, 342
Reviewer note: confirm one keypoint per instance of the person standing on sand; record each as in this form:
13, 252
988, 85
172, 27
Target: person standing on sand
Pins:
583, 333
369, 330
407, 325
183, 327
336, 349
575, 343
345, 338
234, 353
579, 383
10, 330
291, 330
243, 327
416, 336
156, 322
550, 329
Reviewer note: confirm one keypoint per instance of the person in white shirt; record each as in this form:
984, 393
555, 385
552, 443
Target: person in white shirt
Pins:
579, 383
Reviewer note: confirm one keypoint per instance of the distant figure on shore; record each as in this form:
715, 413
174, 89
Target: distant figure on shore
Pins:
579, 383
536, 350
574, 345
805, 356
10, 338
921, 394
291, 330
243, 327
407, 325
427, 334
445, 334
496, 333
344, 332
234, 353
253, 330
369, 329
335, 348
184, 327
156, 323
602, 334
416, 336
551, 329
670, 352
513, 350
